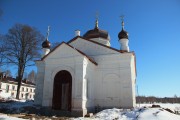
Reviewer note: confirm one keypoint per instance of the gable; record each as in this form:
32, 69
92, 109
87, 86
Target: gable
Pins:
92, 48
61, 51
64, 50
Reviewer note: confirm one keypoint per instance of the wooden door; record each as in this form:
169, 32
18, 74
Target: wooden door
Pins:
62, 91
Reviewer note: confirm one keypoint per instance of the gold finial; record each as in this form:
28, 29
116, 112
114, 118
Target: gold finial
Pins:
97, 17
48, 33
122, 19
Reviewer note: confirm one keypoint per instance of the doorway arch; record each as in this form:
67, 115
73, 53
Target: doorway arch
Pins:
62, 91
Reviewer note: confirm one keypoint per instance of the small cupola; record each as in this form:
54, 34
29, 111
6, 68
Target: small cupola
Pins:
46, 44
123, 33
123, 38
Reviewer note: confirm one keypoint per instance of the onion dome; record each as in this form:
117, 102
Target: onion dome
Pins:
46, 44
123, 33
96, 33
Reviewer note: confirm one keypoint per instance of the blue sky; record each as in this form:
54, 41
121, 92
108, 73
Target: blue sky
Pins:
153, 27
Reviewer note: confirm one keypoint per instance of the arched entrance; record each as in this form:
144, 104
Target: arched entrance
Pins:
62, 91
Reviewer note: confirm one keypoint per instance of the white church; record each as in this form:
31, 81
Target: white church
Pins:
87, 72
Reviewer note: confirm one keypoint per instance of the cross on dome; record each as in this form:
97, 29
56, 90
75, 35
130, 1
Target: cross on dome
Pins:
123, 33
122, 19
97, 17
48, 33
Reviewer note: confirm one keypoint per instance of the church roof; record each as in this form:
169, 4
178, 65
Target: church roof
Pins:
96, 33
120, 51
90, 59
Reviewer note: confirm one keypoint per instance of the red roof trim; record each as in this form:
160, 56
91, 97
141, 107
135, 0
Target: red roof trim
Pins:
91, 60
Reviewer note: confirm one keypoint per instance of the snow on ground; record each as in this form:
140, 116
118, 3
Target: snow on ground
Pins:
5, 117
157, 114
12, 105
16, 104
141, 113
138, 113
171, 106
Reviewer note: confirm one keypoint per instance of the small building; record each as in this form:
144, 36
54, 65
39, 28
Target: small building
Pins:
86, 72
8, 87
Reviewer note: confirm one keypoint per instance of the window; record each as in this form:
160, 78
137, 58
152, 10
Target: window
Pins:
30, 96
27, 89
13, 87
22, 95
22, 88
7, 88
31, 90
0, 85
26, 95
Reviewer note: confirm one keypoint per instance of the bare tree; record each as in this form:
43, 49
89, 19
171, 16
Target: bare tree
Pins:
25, 75
22, 46
2, 49
8, 73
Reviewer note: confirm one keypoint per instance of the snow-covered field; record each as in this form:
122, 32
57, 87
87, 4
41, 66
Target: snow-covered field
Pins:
141, 112
174, 107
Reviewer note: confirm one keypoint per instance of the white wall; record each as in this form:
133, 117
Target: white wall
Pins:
71, 61
109, 84
112, 81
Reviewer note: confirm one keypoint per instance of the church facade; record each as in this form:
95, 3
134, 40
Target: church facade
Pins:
86, 72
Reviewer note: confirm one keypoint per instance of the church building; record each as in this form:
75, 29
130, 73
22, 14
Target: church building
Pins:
87, 72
